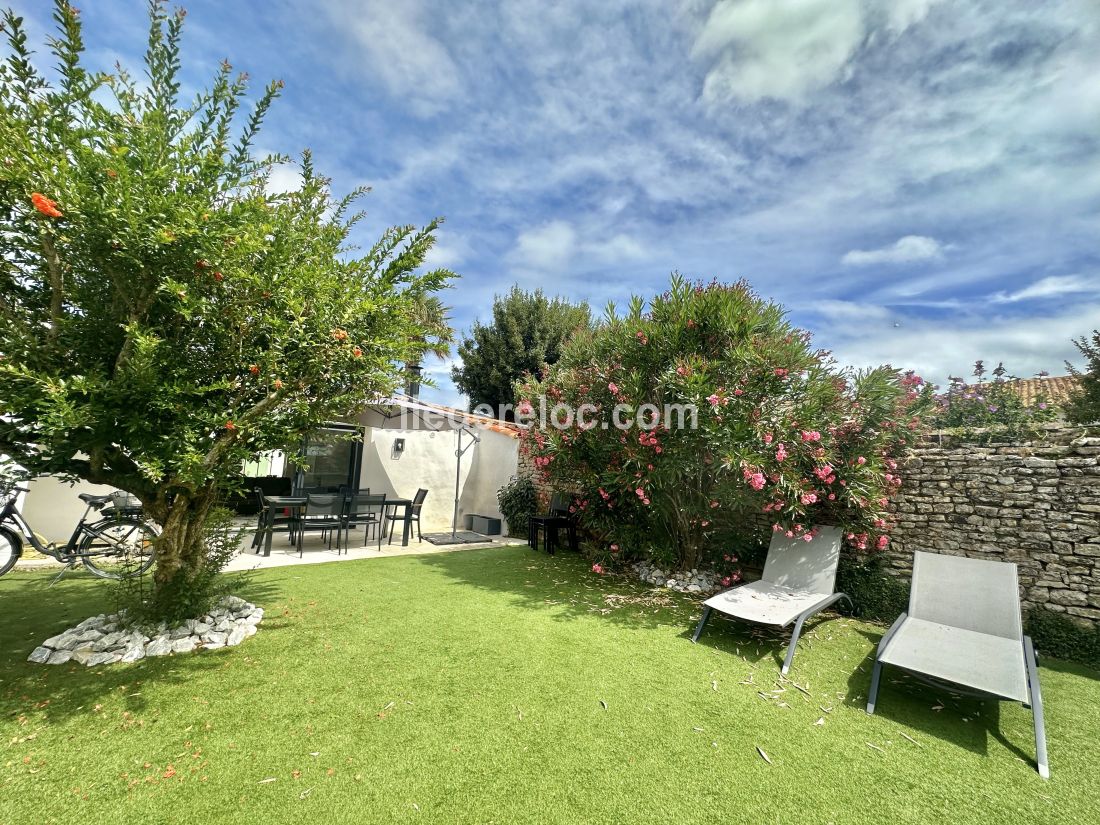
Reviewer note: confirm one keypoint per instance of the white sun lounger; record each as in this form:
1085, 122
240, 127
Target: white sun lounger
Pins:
964, 628
798, 581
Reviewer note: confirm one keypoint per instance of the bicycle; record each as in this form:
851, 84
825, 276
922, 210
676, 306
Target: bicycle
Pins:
120, 544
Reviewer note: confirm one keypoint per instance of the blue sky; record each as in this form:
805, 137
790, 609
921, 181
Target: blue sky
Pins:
917, 181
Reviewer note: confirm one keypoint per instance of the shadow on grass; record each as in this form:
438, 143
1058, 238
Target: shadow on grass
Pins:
964, 721
565, 584
32, 611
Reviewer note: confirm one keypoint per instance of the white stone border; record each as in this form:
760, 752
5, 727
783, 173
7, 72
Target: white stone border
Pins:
106, 638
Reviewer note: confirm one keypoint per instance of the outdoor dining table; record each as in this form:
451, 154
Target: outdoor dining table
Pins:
298, 502
278, 503
407, 504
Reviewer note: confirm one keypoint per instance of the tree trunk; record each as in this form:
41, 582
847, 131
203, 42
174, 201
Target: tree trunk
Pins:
180, 545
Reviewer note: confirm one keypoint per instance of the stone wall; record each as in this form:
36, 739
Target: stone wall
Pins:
1035, 503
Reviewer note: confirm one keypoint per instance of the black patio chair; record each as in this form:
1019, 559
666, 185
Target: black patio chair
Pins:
412, 514
367, 511
284, 522
324, 512
549, 524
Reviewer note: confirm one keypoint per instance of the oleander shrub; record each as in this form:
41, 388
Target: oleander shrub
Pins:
778, 428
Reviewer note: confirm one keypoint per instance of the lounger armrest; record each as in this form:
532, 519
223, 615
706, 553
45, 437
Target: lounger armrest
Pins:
894, 628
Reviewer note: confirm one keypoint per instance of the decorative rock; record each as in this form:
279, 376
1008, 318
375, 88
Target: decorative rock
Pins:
40, 655
60, 657
236, 637
214, 638
160, 646
133, 653
102, 659
185, 645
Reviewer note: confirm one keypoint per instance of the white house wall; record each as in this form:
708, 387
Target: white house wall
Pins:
52, 508
428, 461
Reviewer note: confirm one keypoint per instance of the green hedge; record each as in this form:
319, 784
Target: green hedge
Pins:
876, 595
1055, 634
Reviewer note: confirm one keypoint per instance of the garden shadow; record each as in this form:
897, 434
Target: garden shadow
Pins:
565, 585
924, 709
34, 610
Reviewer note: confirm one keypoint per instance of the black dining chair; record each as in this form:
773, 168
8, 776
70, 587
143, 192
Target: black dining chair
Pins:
365, 510
549, 524
282, 522
324, 512
412, 514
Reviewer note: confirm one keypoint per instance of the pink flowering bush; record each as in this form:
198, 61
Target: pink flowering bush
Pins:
782, 433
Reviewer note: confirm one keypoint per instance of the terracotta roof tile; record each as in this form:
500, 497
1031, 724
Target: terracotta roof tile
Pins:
1055, 389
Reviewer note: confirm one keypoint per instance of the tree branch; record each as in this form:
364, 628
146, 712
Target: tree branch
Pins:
57, 283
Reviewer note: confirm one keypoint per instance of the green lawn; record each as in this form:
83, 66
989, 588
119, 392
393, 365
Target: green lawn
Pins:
503, 686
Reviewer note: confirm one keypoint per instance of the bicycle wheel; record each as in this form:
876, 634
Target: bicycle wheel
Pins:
9, 550
118, 548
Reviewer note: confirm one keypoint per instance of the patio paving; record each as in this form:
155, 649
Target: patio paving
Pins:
315, 550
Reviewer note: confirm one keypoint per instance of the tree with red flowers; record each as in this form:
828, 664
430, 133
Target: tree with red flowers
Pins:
163, 315
783, 437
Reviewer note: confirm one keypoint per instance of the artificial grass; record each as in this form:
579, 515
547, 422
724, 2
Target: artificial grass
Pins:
503, 686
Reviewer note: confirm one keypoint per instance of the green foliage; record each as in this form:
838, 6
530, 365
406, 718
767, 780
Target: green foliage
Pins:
163, 315
1084, 403
876, 595
780, 429
993, 404
518, 501
196, 592
528, 332
1055, 634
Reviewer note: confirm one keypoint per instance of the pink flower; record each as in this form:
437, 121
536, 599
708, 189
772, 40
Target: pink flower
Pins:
641, 337
768, 437
882, 542
639, 492
832, 496
808, 537
613, 388
597, 568
780, 453
809, 498
811, 435
614, 548
714, 400
713, 504
681, 370
861, 461
782, 373
726, 581
738, 392
524, 408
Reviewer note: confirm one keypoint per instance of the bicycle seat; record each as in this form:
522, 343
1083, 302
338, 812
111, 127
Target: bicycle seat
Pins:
88, 498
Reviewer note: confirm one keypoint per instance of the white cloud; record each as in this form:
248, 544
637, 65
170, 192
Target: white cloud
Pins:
557, 245
936, 349
547, 247
908, 249
777, 48
284, 178
1051, 287
401, 45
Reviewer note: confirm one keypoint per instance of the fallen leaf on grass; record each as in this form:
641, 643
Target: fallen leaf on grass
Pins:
714, 686
763, 755
305, 793
603, 704
911, 739
265, 781
820, 721
875, 747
